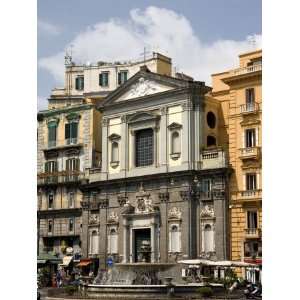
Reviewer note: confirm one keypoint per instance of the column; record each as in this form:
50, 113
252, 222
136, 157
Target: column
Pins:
103, 233
163, 138
123, 147
104, 146
153, 248
85, 222
186, 134
125, 241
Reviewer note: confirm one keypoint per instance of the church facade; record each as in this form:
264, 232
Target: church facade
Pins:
161, 193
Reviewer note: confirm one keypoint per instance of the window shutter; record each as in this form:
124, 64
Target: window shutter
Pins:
67, 131
77, 83
119, 78
55, 166
82, 83
68, 164
101, 79
46, 167
73, 131
77, 164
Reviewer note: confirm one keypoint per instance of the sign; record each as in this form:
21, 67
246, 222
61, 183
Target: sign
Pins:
110, 262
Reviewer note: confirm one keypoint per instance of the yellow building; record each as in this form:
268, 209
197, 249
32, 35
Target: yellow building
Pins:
240, 94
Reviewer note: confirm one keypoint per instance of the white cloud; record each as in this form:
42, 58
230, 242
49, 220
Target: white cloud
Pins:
47, 28
42, 103
162, 30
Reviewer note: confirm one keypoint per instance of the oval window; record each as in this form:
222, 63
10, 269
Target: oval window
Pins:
211, 119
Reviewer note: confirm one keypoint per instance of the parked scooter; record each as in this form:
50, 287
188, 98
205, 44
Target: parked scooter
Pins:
253, 291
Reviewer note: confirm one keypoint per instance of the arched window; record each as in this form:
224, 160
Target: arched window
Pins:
208, 238
94, 242
174, 239
112, 244
114, 152
211, 119
211, 141
175, 146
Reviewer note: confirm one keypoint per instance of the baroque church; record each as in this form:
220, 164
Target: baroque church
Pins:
161, 192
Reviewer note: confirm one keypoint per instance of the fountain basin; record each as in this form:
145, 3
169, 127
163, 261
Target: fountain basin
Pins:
144, 291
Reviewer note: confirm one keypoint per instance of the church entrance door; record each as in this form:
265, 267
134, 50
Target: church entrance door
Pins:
142, 245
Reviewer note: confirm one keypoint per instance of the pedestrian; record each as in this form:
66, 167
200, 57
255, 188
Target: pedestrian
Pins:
58, 279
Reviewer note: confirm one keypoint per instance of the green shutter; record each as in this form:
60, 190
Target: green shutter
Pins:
82, 83
68, 164
74, 129
52, 133
46, 167
67, 131
119, 78
101, 79
77, 83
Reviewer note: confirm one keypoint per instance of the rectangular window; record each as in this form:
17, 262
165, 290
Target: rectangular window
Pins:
79, 83
71, 132
50, 226
50, 167
206, 188
250, 139
71, 199
253, 249
72, 164
250, 99
50, 200
250, 182
71, 224
103, 79
144, 147
122, 77
52, 134
251, 219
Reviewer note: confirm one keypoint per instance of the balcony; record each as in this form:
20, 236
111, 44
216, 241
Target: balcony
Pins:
250, 195
250, 153
252, 233
61, 144
213, 159
249, 69
250, 108
60, 177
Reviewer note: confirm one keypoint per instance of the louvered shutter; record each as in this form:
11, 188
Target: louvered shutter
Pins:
46, 167
101, 79
68, 164
67, 131
77, 83
119, 78
74, 127
77, 164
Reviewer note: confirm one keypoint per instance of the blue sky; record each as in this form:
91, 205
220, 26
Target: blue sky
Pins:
201, 36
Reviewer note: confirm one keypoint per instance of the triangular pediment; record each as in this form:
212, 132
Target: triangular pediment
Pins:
143, 84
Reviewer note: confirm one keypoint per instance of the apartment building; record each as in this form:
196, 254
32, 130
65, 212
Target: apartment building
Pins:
239, 92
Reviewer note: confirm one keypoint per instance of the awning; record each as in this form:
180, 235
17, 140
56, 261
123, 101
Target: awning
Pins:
84, 263
66, 261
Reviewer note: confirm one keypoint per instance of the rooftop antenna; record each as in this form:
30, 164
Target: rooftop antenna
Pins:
144, 54
252, 41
